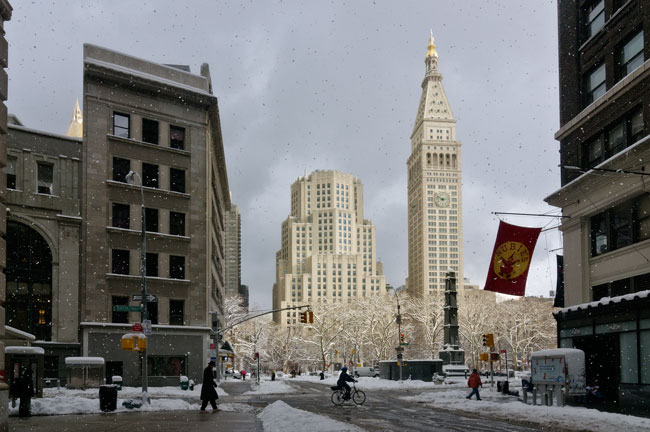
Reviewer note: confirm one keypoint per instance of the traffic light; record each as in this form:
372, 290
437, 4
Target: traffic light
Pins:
401, 337
310, 317
494, 356
303, 317
488, 340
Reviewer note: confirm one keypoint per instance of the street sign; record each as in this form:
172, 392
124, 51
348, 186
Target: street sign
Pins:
150, 297
146, 327
125, 308
503, 351
137, 327
405, 343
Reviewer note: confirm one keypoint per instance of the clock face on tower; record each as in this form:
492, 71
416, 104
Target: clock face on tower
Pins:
442, 199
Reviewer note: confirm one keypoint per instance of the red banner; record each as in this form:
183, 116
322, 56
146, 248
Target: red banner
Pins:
511, 257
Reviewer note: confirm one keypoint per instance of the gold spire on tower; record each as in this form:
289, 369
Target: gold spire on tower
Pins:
432, 48
76, 125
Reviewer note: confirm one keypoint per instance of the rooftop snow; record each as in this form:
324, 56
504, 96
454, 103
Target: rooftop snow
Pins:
605, 301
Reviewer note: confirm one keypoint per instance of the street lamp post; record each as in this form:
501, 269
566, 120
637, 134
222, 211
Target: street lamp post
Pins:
399, 336
130, 178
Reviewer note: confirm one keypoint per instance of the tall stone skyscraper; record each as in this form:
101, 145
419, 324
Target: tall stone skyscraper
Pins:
233, 251
435, 242
328, 251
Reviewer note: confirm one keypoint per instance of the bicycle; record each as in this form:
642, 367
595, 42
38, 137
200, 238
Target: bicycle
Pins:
338, 395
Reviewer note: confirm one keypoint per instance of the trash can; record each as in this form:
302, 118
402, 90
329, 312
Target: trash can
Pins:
185, 382
117, 381
107, 398
503, 387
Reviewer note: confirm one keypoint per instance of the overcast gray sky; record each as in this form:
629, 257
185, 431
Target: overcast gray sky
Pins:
314, 85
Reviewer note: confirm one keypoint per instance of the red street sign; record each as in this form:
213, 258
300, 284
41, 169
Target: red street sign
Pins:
503, 351
213, 346
137, 327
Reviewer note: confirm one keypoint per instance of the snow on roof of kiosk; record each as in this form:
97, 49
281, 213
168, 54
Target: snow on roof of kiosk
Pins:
84, 360
605, 301
24, 350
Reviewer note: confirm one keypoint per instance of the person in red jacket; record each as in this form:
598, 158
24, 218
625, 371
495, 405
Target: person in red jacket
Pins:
474, 382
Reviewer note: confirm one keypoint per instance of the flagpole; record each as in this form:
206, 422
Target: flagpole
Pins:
531, 214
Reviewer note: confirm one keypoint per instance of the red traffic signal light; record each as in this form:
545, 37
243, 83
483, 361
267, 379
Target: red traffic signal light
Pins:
401, 337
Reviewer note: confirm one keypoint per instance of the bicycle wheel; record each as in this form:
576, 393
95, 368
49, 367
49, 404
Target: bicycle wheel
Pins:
337, 398
359, 397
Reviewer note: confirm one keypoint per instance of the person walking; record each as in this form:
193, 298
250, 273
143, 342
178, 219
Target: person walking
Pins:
243, 375
208, 389
474, 382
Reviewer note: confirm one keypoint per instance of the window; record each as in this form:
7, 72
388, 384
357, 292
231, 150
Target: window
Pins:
121, 215
176, 267
594, 18
120, 258
121, 125
167, 365
616, 139
630, 55
149, 175
176, 312
595, 84
152, 312
121, 168
11, 172
119, 315
636, 127
621, 287
620, 226
177, 223
45, 176
177, 137
177, 180
151, 219
149, 131
152, 264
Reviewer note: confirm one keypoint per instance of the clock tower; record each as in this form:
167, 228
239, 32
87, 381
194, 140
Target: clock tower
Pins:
435, 240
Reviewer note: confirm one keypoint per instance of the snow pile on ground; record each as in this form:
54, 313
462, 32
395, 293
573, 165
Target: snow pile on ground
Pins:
280, 417
270, 387
499, 405
65, 402
82, 405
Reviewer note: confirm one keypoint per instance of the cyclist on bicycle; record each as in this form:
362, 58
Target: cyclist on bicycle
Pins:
342, 381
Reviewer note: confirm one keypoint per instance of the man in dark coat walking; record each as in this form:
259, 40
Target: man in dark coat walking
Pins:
208, 390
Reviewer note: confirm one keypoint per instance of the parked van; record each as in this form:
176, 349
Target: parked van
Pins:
366, 372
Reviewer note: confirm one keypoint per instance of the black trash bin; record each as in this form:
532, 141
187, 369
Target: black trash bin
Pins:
108, 398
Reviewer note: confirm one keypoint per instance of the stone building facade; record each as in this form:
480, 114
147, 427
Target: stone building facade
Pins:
43, 177
5, 15
328, 251
604, 195
162, 122
435, 227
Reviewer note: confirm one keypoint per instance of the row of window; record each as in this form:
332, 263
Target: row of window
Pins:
122, 219
121, 259
44, 176
150, 131
621, 287
620, 226
150, 174
629, 56
619, 135
176, 311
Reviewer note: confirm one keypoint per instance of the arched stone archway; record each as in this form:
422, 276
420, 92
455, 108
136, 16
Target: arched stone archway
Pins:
29, 281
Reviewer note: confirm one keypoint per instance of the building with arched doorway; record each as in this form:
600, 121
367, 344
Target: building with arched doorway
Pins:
43, 242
